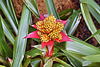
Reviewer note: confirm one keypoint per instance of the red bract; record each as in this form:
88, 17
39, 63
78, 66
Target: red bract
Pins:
49, 30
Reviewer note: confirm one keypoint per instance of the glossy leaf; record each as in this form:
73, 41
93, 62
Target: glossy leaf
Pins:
65, 14
93, 58
98, 32
73, 23
7, 31
89, 21
51, 8
34, 52
3, 7
94, 13
73, 62
31, 4
11, 10
78, 58
3, 42
35, 62
26, 62
49, 63
93, 4
61, 61
58, 65
81, 47
58, 54
20, 42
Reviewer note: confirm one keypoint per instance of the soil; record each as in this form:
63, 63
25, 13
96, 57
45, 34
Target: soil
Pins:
82, 31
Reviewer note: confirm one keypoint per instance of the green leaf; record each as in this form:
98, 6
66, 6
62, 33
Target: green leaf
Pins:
61, 61
73, 23
35, 62
51, 8
58, 54
26, 62
3, 42
89, 21
78, 58
94, 13
34, 52
11, 10
8, 15
98, 32
74, 62
31, 4
93, 4
20, 42
93, 58
58, 65
49, 63
7, 31
93, 65
31, 29
66, 13
81, 47
2, 53
3, 60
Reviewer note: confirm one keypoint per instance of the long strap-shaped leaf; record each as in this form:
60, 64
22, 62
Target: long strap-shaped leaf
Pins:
3, 7
12, 11
94, 13
73, 22
20, 43
89, 20
98, 32
31, 4
95, 58
51, 8
81, 47
3, 42
93, 4
2, 53
7, 31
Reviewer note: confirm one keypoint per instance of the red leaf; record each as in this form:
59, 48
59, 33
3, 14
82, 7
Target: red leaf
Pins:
64, 38
50, 49
41, 17
33, 35
47, 43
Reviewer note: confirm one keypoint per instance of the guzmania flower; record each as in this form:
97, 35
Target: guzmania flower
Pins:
49, 30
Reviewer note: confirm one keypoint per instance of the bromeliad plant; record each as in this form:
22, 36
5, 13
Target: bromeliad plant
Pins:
71, 52
49, 30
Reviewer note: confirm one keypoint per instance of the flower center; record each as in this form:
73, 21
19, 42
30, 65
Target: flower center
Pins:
49, 29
